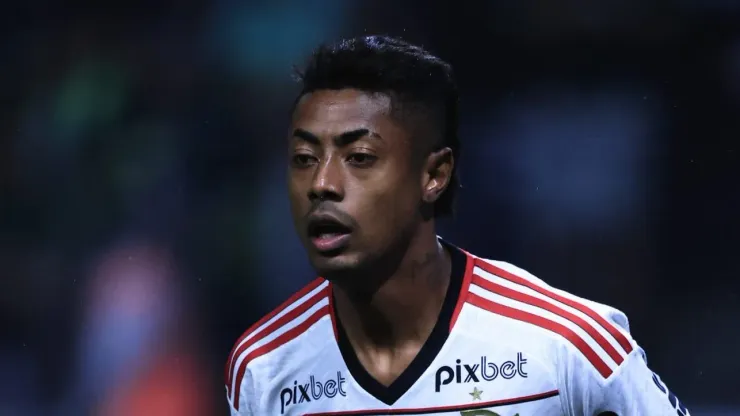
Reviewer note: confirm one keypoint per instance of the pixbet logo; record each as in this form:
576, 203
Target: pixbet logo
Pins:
467, 373
313, 390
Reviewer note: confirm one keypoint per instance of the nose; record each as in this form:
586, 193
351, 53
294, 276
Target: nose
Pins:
327, 182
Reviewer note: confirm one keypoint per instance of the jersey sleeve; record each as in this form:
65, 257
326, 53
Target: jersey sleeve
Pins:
242, 403
630, 389
232, 411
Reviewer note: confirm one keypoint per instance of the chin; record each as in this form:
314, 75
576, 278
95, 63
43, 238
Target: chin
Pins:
335, 267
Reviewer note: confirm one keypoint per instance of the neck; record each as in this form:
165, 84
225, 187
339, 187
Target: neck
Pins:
401, 309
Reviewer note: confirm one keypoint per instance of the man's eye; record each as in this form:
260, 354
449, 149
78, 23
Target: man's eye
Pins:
362, 159
303, 160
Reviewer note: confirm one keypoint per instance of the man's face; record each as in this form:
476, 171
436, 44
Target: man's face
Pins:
354, 192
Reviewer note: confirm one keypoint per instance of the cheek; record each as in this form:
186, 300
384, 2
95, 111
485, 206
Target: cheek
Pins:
384, 209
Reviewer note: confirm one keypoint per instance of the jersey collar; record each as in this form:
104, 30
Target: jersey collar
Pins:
462, 268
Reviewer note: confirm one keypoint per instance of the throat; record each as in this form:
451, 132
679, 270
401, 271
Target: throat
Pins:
388, 329
402, 310
388, 340
387, 365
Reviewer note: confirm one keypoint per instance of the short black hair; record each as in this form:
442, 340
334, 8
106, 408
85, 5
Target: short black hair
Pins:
418, 83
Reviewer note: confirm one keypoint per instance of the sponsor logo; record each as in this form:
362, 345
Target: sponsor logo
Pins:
483, 370
312, 390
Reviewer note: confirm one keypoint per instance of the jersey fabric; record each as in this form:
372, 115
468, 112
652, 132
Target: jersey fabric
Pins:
505, 344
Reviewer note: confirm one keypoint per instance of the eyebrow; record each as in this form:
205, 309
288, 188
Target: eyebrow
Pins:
343, 139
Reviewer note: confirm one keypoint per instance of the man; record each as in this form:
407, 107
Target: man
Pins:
401, 321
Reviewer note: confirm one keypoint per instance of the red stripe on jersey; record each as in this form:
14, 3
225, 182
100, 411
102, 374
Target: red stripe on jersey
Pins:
469, 265
270, 346
277, 324
272, 327
531, 300
545, 323
621, 339
443, 409
303, 292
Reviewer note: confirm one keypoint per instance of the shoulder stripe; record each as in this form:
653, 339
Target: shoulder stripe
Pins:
579, 306
281, 315
469, 266
256, 326
275, 325
541, 322
272, 345
531, 300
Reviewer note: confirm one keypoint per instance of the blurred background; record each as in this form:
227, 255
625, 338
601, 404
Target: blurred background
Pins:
144, 221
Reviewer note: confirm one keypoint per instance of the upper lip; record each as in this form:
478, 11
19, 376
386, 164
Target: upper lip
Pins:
324, 219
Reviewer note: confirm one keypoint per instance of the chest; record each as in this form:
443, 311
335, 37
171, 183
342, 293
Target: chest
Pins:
465, 377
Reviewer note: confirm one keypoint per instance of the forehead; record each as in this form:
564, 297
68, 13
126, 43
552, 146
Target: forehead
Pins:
328, 113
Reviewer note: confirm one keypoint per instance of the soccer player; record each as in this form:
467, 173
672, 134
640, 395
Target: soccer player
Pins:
401, 321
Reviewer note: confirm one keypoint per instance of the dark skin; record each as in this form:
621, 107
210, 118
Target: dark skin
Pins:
352, 159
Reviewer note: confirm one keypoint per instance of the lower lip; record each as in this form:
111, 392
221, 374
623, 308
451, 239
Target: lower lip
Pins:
330, 242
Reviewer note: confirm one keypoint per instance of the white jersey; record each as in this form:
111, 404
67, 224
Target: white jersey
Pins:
506, 344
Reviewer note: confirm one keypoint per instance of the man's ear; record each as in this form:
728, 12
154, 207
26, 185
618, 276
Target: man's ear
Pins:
437, 174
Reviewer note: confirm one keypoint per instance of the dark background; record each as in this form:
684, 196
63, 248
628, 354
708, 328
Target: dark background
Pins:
144, 220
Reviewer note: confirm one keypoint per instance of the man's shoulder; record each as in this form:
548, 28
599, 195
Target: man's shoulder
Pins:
496, 275
594, 332
273, 334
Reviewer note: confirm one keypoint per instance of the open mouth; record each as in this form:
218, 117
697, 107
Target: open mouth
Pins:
326, 228
328, 234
